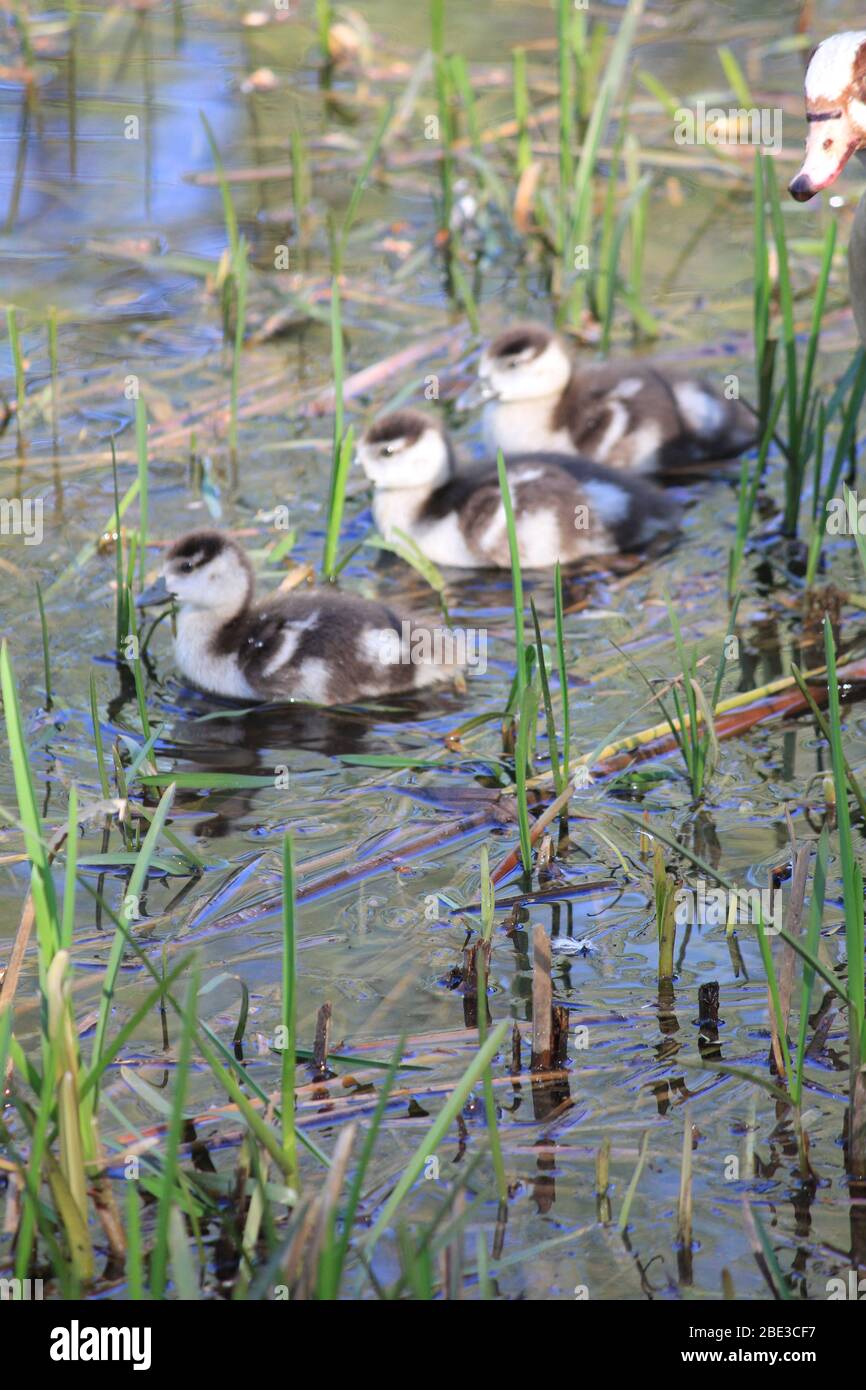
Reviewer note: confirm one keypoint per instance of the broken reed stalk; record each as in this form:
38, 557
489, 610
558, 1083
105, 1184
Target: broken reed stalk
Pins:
665, 913
342, 443
17, 363
549, 1020
708, 1020
516, 1065
602, 1183
476, 962
684, 1207
542, 999
443, 101
521, 110
322, 1042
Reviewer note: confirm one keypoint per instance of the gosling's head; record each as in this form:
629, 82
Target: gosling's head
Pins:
406, 449
835, 112
523, 364
208, 571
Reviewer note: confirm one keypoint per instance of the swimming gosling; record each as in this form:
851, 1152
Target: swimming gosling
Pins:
627, 415
565, 509
324, 647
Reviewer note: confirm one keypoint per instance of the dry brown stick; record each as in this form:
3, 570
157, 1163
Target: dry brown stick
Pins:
542, 998
322, 1040
516, 1060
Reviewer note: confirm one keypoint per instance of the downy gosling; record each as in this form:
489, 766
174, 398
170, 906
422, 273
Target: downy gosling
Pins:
565, 509
326, 648
626, 415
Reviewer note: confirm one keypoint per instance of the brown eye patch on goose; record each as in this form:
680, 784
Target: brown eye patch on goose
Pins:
196, 550
404, 426
517, 342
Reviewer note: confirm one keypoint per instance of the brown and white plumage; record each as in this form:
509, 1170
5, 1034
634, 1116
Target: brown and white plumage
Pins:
319, 646
565, 508
626, 415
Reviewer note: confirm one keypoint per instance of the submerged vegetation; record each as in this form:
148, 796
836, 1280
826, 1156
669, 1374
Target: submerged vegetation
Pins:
343, 1003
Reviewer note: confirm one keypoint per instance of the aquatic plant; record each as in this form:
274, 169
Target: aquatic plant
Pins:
63, 1190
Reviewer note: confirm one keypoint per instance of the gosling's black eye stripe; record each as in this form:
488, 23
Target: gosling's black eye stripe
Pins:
198, 549
823, 116
517, 347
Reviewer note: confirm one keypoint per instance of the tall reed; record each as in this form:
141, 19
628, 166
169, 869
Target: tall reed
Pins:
17, 364
579, 219
341, 456
443, 86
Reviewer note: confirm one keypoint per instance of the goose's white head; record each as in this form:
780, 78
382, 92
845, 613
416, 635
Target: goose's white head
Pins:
204, 570
525, 363
835, 112
406, 449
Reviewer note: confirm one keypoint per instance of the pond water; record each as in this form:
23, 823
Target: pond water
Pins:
113, 231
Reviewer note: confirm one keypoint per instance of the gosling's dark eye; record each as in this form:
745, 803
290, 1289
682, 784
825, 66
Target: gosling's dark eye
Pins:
186, 567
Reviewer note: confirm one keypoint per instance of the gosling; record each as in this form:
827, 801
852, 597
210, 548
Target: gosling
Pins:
565, 509
630, 416
325, 648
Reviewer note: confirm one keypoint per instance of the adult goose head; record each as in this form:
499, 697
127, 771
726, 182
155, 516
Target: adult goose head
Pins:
836, 117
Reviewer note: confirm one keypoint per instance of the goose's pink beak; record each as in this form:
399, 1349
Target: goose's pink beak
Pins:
831, 141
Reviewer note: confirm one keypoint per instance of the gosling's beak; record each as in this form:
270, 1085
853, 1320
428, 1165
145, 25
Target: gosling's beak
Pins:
359, 460
475, 395
158, 592
831, 141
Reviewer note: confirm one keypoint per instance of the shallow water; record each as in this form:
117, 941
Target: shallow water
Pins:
98, 225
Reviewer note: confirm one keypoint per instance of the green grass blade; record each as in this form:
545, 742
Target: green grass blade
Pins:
516, 577
173, 1140
413, 1168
